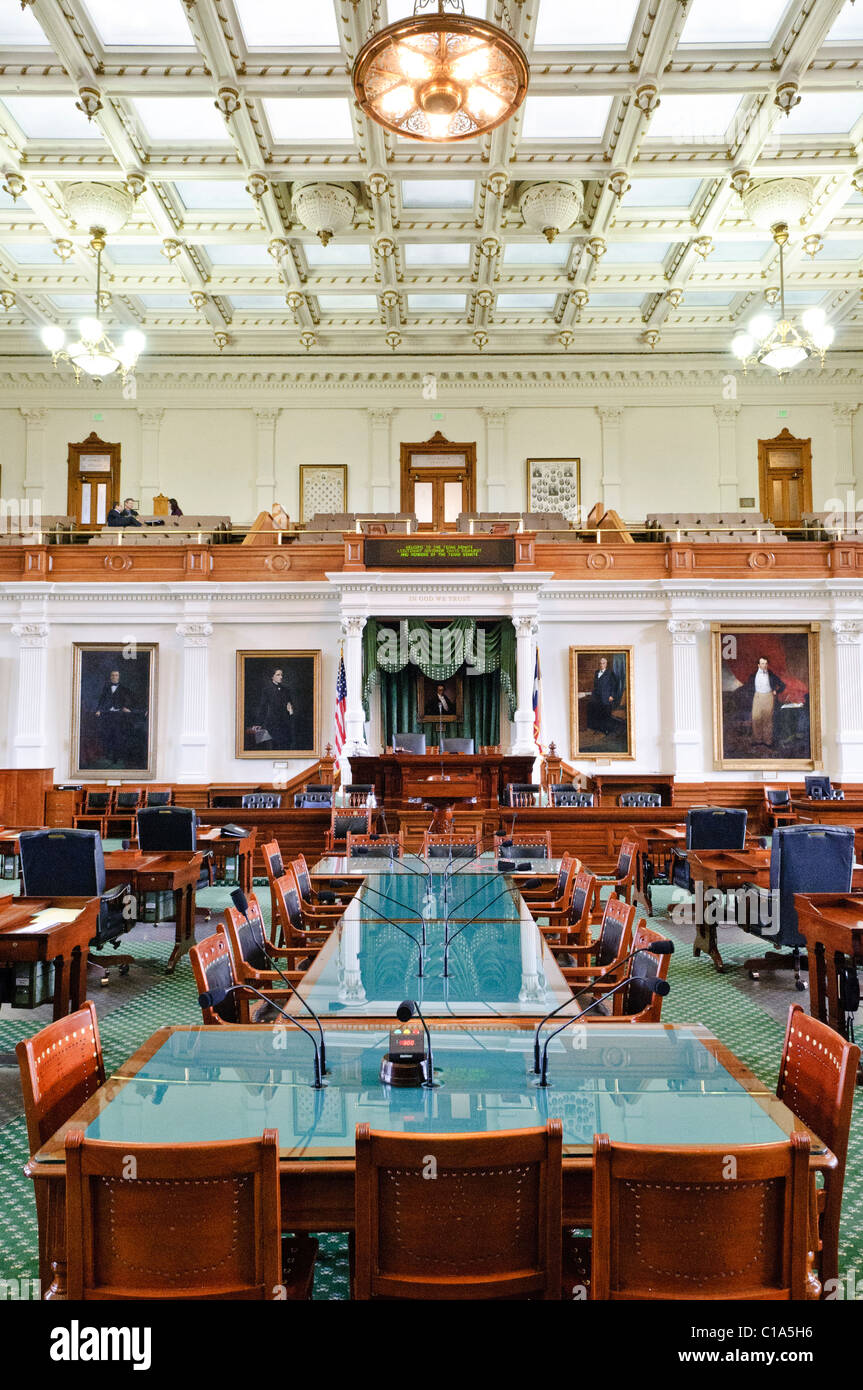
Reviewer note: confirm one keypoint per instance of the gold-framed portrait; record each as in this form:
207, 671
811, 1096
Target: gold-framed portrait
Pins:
600, 703
440, 702
278, 704
766, 695
114, 688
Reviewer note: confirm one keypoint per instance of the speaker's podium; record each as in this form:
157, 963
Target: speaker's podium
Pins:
409, 782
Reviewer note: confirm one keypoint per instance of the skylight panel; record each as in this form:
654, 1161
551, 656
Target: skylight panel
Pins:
51, 118
694, 120
707, 299
554, 253
348, 303
562, 24
69, 303
309, 120
725, 252
181, 120
353, 253
436, 253
165, 302
436, 303
661, 193
848, 25
132, 253
8, 202
733, 23
20, 28
842, 249
636, 252
403, 9
605, 299
565, 118
30, 252
507, 302
229, 254
438, 193
268, 302
822, 113
273, 24
212, 195
154, 24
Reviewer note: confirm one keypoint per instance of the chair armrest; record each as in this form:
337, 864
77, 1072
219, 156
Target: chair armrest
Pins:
260, 978
580, 951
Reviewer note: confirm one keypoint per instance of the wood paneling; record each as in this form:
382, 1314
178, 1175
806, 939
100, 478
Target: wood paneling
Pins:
22, 795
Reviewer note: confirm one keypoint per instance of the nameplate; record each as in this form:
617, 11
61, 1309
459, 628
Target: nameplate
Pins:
462, 552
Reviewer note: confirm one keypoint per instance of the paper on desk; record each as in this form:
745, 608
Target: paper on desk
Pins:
51, 917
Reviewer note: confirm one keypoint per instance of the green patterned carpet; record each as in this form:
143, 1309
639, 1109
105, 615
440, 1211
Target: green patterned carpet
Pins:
725, 1004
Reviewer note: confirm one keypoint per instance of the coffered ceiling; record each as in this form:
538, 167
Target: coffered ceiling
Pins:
660, 108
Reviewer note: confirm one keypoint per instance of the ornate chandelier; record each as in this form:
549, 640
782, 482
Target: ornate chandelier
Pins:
440, 77
781, 344
104, 207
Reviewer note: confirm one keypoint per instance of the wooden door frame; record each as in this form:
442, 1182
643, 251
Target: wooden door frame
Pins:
785, 439
92, 445
439, 444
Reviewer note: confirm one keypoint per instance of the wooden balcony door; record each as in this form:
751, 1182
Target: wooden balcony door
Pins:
785, 478
438, 482
94, 480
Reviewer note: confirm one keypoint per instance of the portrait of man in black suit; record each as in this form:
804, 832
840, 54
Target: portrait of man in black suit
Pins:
112, 722
600, 713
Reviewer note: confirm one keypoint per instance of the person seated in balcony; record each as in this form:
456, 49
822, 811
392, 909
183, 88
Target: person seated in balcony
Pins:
124, 515
175, 506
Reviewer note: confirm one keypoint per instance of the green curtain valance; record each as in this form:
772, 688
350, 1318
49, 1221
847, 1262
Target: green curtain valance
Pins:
439, 652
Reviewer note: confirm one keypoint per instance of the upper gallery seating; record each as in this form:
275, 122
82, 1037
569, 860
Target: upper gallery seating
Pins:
45, 530
549, 525
710, 526
167, 530
327, 527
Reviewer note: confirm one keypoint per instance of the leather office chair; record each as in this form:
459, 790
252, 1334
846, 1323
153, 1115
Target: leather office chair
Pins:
71, 863
670, 1223
640, 800
817, 1076
565, 794
170, 829
708, 827
522, 794
196, 1221
803, 859
409, 743
315, 794
252, 955
496, 1234
458, 745
261, 801
599, 963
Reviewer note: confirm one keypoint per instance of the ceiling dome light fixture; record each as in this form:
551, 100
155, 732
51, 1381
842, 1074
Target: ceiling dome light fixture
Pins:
325, 208
551, 207
440, 77
782, 345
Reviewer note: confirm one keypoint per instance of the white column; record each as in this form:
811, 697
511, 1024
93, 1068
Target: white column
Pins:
265, 458
726, 430
848, 639
29, 744
380, 460
686, 736
34, 454
151, 420
194, 737
611, 417
525, 655
355, 729
494, 490
843, 451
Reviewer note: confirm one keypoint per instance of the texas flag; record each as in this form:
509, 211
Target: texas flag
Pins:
537, 702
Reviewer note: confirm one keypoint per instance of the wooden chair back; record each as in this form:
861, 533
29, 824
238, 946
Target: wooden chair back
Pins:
581, 907
816, 1080
463, 844
345, 820
516, 844
61, 1066
523, 794
487, 1227
637, 1002
246, 938
193, 1221
700, 1222
213, 970
377, 846
615, 933
627, 862
97, 803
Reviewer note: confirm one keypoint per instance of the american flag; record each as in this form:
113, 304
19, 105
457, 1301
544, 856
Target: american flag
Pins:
341, 706
537, 702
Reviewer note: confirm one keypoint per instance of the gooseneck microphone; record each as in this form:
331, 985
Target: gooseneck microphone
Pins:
414, 912
403, 930
660, 987
211, 999
241, 903
408, 1009
656, 948
448, 940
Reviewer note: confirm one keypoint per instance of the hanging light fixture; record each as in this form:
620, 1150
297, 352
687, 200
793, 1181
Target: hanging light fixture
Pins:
440, 76
104, 208
93, 352
781, 344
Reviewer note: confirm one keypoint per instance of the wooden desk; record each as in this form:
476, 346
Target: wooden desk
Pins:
654, 842
832, 924
176, 872
389, 773
317, 1129
225, 847
724, 870
64, 944
443, 792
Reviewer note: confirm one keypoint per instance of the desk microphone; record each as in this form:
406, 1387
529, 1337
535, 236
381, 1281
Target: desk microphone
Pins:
411, 1009
448, 940
656, 948
660, 987
403, 930
241, 903
388, 897
212, 998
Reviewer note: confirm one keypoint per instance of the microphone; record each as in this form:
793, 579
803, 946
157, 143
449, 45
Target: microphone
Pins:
241, 903
408, 1009
403, 930
660, 987
212, 998
448, 940
405, 906
420, 873
656, 948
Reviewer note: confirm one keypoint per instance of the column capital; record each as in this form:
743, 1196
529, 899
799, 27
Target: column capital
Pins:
380, 415
848, 632
266, 415
684, 631
726, 414
843, 412
525, 626
195, 634
151, 416
31, 634
353, 626
610, 415
495, 414
33, 414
